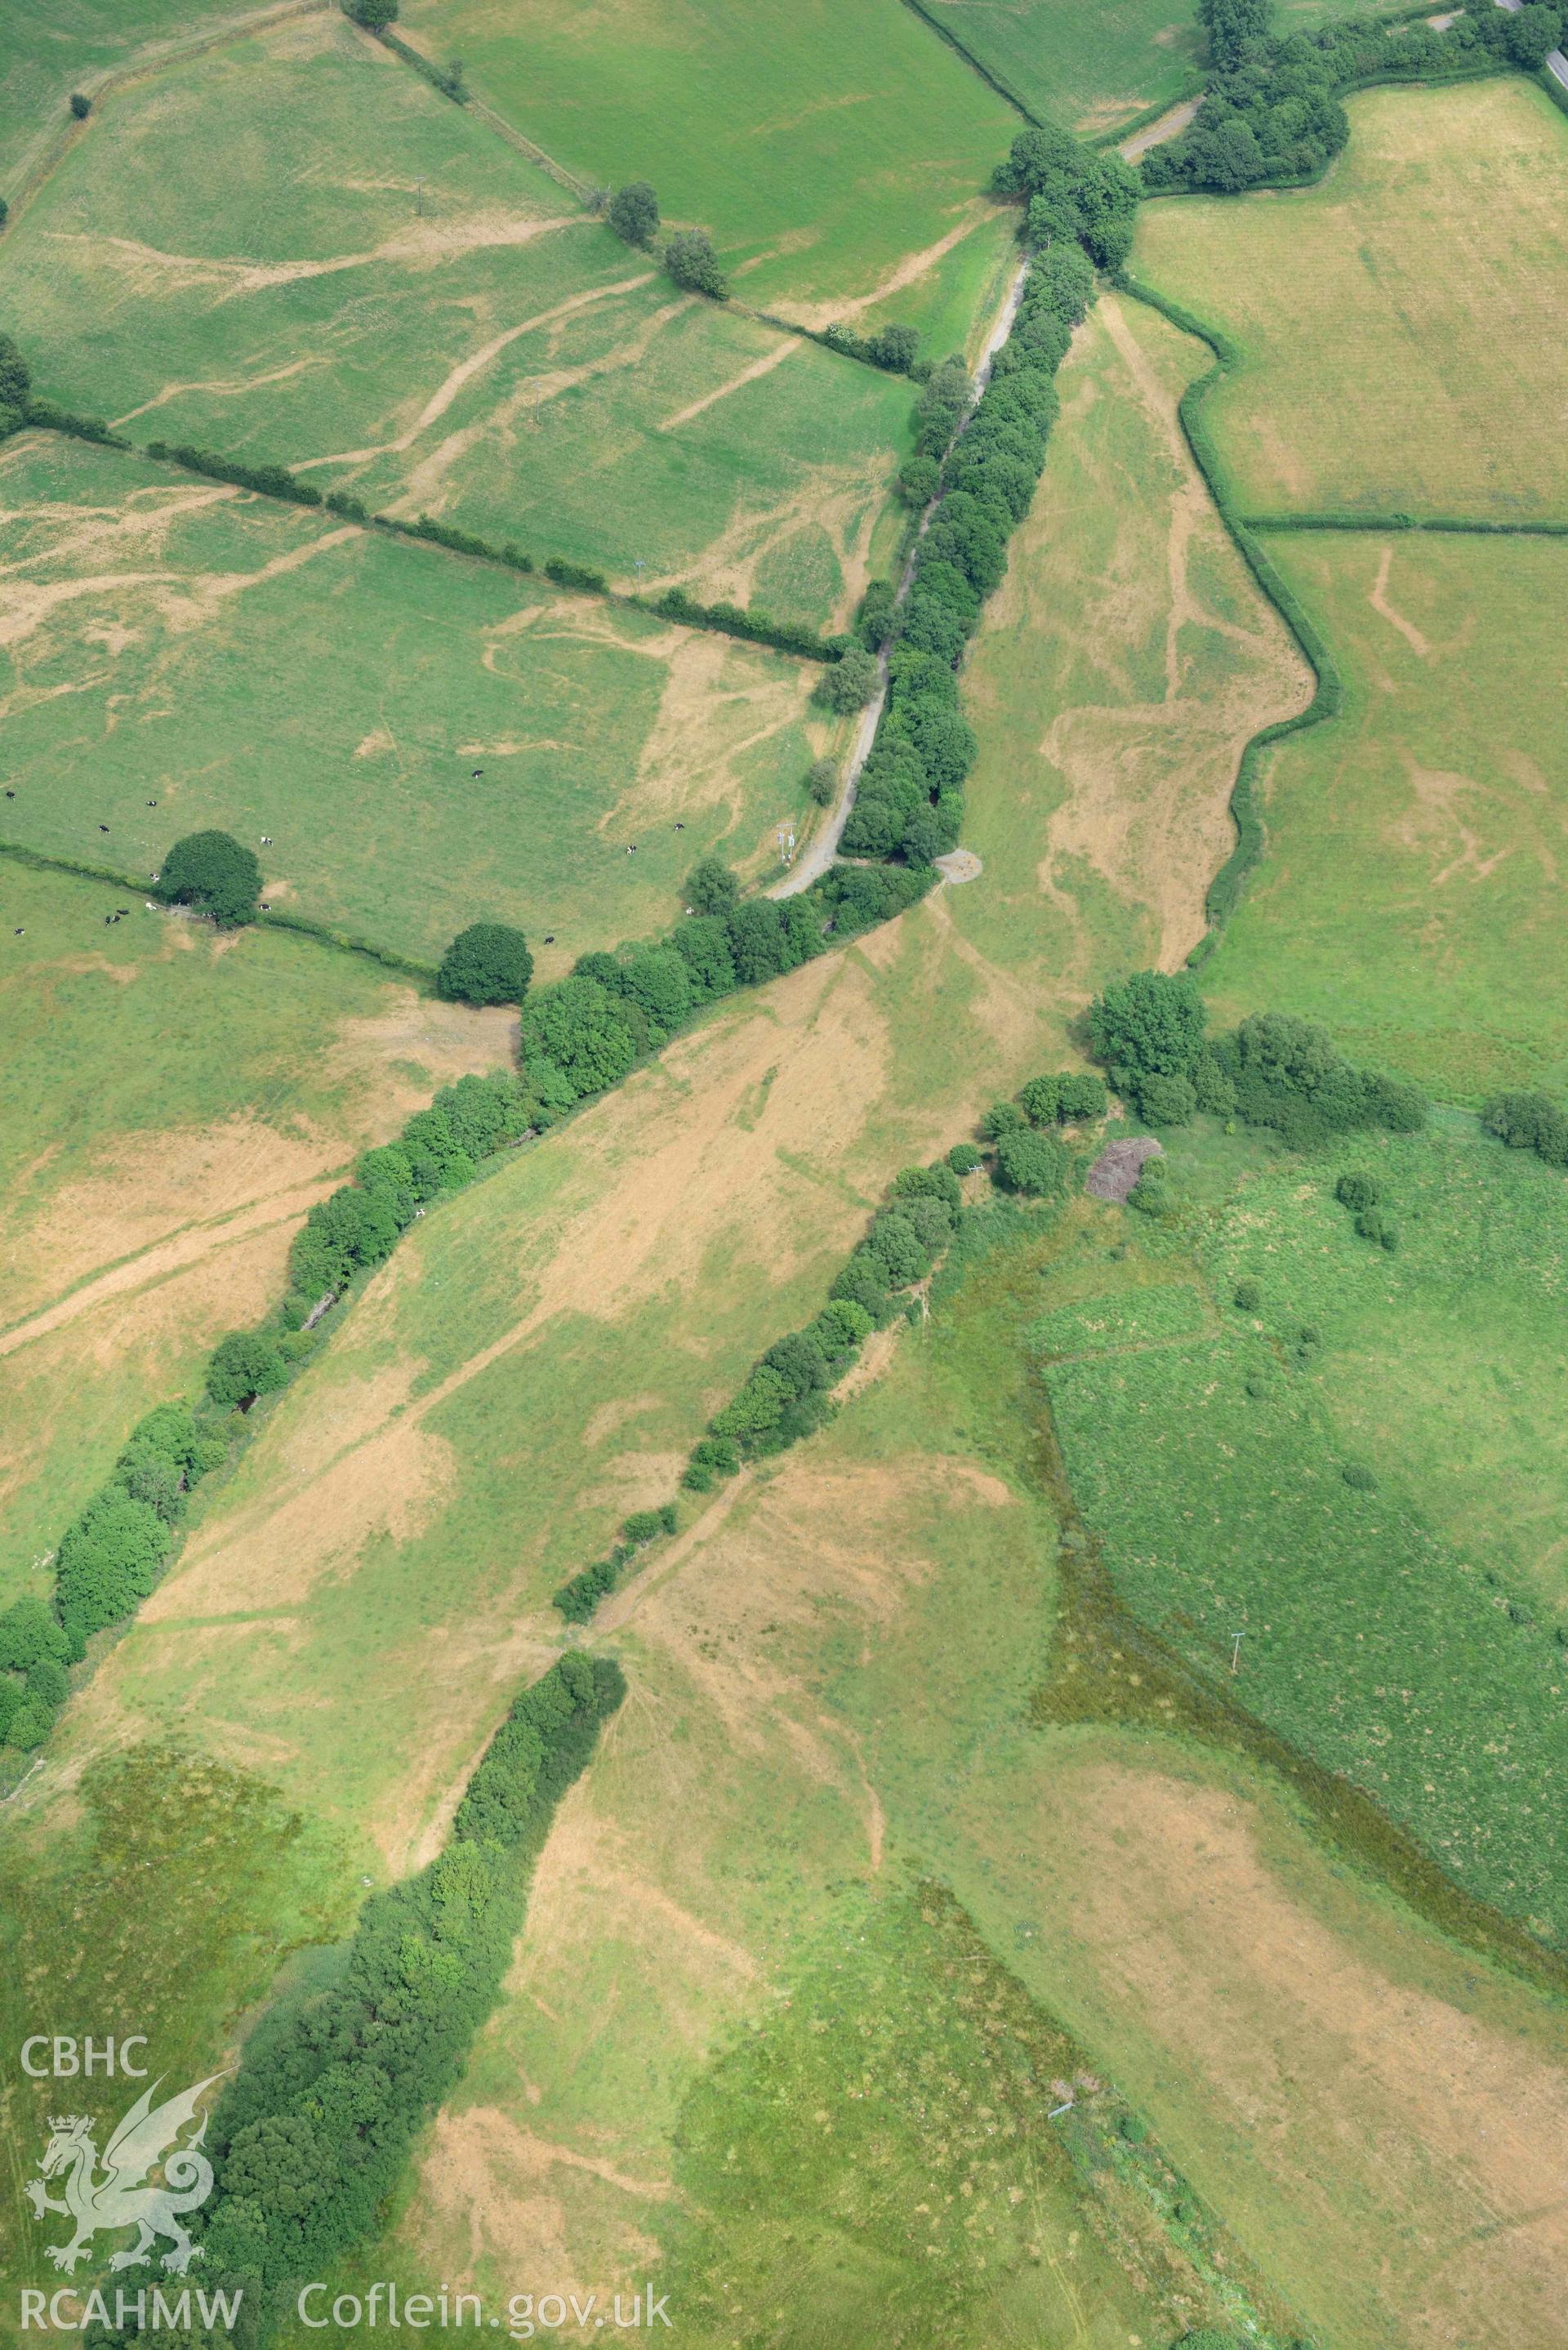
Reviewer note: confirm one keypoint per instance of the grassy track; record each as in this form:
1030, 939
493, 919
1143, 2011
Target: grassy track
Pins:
1407, 893
820, 144
171, 1105
417, 312
1403, 321
269, 670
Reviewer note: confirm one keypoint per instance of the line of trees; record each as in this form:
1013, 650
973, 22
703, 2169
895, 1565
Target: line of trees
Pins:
1274, 1070
908, 803
1273, 114
578, 1597
312, 2134
787, 1394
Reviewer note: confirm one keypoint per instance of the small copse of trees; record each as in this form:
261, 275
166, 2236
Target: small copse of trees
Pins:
1274, 1070
1273, 113
1528, 1121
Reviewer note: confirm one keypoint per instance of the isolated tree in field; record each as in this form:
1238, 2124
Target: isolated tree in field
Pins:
374, 15
212, 872
849, 683
634, 212
822, 781
82, 105
711, 888
487, 963
690, 260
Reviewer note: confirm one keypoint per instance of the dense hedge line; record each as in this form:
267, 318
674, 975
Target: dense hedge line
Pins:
1274, 1070
754, 626
1340, 518
910, 799
1272, 116
312, 2134
447, 78
268, 481
1328, 690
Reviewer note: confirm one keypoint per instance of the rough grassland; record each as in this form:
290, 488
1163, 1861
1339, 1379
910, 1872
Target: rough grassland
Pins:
1409, 893
171, 1105
760, 2053
414, 311
746, 1159
272, 670
819, 141
1443, 1364
1404, 323
1213, 1470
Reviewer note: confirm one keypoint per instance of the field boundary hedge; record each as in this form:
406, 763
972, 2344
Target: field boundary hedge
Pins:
341, 942
1333, 518
1328, 692
276, 481
993, 81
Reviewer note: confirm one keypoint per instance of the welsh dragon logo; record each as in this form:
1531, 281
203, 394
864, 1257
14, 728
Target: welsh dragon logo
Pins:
118, 2196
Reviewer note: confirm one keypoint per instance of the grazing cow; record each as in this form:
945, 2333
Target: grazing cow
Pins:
16, 933
153, 803
103, 827
477, 773
551, 939
9, 793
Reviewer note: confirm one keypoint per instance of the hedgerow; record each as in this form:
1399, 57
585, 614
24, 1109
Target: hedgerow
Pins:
312, 2134
1274, 1070
1272, 115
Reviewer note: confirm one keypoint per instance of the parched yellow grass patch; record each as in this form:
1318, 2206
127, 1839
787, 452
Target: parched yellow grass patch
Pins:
1405, 323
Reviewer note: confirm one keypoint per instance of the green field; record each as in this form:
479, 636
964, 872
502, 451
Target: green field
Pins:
1408, 891
1376, 1639
1401, 324
414, 311
1094, 68
1091, 68
44, 58
819, 141
267, 669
